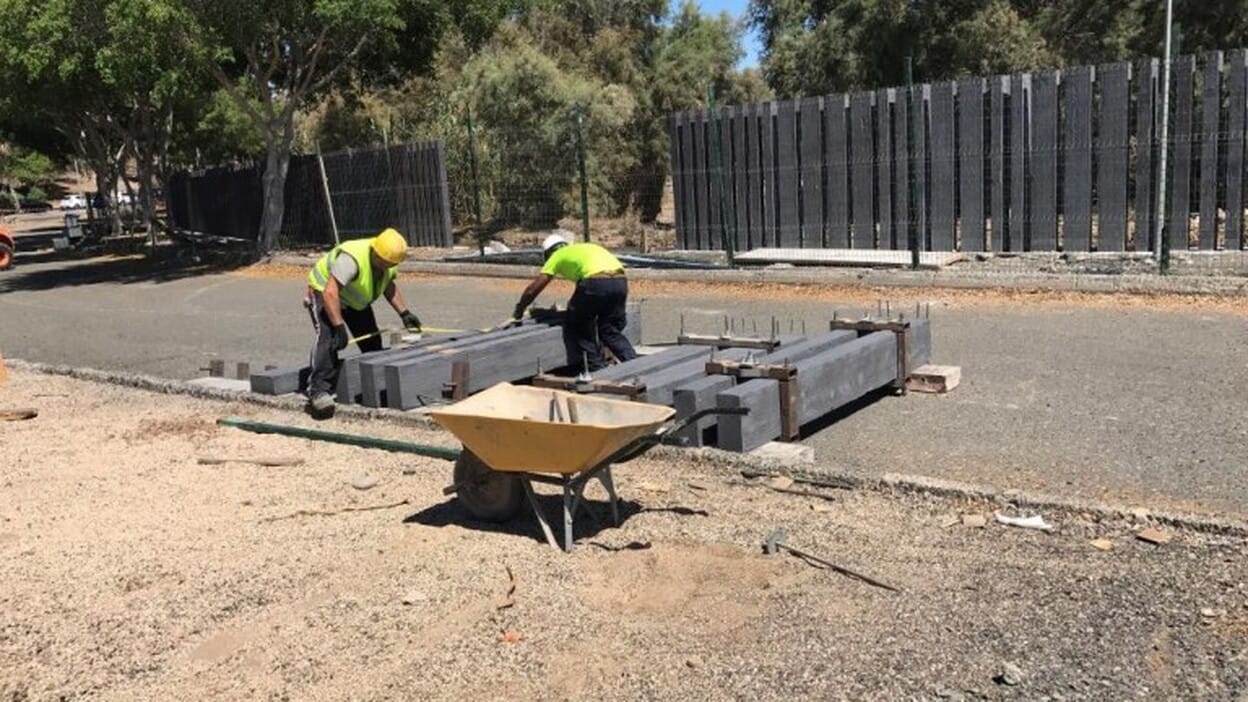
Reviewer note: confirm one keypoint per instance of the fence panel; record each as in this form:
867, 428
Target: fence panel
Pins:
837, 159
1210, 133
862, 211
944, 173
1044, 111
811, 117
901, 156
1112, 154
740, 180
998, 87
1020, 136
1077, 151
884, 167
1179, 202
1144, 236
787, 165
971, 164
1237, 90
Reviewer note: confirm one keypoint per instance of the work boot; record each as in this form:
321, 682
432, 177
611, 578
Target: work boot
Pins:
322, 402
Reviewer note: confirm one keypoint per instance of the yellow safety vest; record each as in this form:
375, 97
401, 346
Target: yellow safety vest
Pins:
361, 292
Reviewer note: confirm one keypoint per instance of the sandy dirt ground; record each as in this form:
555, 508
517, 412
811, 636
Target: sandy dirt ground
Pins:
132, 571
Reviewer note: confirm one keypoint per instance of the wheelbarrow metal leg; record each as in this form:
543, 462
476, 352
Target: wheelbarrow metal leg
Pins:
608, 484
571, 497
537, 512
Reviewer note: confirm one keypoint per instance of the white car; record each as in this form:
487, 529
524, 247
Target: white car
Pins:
73, 202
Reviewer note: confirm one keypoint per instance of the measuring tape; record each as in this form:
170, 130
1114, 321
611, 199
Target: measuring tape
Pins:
432, 330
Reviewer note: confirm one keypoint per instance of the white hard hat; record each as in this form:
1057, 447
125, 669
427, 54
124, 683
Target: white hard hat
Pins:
552, 241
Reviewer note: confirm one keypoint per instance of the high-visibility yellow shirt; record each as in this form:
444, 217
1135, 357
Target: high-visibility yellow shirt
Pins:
575, 262
360, 292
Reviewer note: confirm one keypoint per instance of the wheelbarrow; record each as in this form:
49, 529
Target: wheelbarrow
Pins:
514, 436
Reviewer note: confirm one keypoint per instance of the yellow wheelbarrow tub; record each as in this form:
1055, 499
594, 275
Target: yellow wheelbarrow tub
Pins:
523, 429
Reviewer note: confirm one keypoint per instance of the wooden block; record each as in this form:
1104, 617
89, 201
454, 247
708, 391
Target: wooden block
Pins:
934, 379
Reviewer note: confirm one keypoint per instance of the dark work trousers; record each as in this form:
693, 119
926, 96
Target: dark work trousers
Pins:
323, 375
596, 313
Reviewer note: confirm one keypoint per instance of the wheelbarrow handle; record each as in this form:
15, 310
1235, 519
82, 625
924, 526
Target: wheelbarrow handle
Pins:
645, 443
679, 424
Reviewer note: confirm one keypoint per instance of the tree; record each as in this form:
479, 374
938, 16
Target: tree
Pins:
22, 168
272, 58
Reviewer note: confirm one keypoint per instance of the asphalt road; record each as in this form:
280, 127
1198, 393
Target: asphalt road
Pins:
1124, 404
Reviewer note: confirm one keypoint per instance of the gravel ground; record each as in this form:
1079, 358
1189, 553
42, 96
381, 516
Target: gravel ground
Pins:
134, 572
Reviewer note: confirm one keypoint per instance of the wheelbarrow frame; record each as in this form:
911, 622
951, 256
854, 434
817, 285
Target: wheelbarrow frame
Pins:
573, 484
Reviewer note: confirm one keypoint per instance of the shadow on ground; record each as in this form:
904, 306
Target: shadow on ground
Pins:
39, 272
450, 513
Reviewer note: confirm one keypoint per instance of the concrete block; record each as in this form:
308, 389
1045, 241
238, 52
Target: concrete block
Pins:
279, 381
784, 455
644, 365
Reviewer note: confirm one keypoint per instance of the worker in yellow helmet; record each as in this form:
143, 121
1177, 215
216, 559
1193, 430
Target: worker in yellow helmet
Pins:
342, 287
596, 311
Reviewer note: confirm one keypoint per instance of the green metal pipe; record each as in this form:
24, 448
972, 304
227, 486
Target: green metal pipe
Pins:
448, 454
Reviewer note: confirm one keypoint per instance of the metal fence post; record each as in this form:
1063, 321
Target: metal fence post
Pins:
580, 159
476, 185
912, 201
329, 202
717, 143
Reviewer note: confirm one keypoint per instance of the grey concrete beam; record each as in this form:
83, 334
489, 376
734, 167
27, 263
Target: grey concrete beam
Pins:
412, 382
825, 382
694, 396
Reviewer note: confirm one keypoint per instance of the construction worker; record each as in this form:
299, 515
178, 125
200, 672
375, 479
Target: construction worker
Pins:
342, 287
596, 311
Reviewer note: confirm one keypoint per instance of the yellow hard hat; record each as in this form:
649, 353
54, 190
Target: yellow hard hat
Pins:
390, 246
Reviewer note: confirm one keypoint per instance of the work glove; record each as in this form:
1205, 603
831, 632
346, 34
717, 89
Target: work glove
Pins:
410, 321
341, 337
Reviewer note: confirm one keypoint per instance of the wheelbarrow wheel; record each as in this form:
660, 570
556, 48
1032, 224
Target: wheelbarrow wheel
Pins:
487, 494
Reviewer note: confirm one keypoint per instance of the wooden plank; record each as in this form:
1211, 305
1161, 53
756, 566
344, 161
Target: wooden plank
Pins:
811, 123
971, 164
1020, 135
740, 179
1143, 204
767, 120
1179, 203
998, 86
701, 183
862, 184
1210, 134
1077, 151
944, 173
934, 379
675, 131
884, 172
1237, 91
901, 159
1113, 150
836, 132
789, 227
1044, 109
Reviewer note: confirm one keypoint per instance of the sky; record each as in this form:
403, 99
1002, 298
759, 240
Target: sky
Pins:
736, 8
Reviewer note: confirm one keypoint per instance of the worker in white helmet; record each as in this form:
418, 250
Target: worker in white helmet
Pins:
596, 311
342, 287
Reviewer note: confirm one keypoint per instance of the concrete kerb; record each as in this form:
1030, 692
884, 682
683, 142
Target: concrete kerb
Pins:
1150, 284
889, 482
